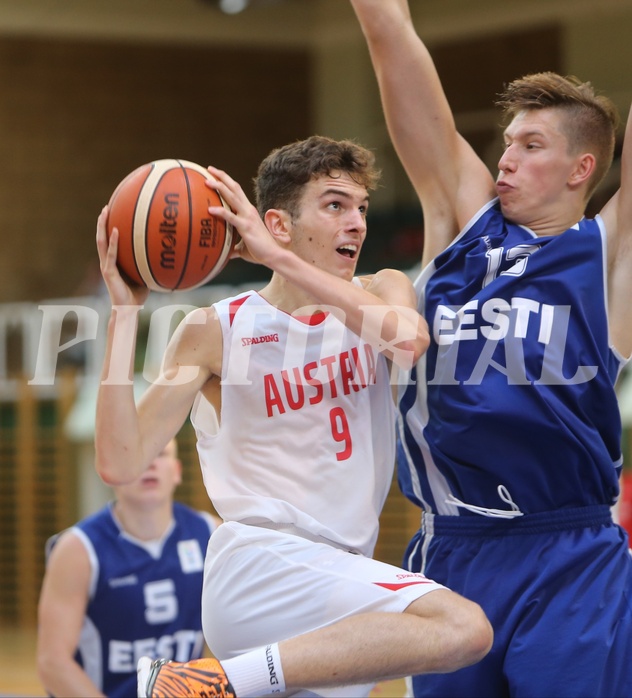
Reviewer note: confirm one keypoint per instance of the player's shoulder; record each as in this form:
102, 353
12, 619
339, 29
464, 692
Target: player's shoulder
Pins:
186, 513
198, 327
66, 547
199, 317
233, 303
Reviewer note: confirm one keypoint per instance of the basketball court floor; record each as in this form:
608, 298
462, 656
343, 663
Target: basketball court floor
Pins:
18, 675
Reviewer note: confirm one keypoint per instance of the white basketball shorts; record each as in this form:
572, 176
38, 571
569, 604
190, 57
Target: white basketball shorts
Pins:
263, 586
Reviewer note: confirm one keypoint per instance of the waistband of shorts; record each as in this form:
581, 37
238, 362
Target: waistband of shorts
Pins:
542, 522
293, 530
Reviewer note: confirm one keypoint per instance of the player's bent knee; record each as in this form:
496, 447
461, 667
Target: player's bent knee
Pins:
477, 633
468, 636
462, 629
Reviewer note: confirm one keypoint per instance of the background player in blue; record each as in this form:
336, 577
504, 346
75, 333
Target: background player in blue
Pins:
124, 582
509, 425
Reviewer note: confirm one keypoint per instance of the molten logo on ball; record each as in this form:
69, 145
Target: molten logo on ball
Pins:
169, 231
167, 239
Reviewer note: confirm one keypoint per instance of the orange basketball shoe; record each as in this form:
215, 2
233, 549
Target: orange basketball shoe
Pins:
199, 678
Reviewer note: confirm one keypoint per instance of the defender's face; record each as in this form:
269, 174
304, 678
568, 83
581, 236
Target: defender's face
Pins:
159, 480
331, 224
535, 167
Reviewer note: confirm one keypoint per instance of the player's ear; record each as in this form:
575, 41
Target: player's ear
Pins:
583, 170
279, 223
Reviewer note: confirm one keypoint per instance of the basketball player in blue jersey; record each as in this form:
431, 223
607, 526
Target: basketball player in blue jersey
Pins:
122, 583
290, 395
509, 425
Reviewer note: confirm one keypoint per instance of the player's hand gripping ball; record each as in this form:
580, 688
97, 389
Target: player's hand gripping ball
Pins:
168, 241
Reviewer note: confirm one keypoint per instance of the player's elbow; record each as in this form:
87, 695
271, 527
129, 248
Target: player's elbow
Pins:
408, 352
48, 664
109, 478
417, 341
43, 670
112, 477
110, 471
420, 345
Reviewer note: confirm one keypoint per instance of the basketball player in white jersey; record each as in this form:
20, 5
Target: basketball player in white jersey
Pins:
291, 403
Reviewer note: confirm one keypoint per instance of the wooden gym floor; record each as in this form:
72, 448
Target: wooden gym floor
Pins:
18, 676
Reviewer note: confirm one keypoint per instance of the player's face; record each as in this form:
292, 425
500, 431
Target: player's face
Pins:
535, 168
331, 224
159, 479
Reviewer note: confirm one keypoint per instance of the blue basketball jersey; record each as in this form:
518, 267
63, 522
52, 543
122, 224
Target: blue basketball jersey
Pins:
512, 410
144, 600
510, 436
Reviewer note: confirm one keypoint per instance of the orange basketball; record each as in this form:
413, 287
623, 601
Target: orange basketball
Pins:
167, 239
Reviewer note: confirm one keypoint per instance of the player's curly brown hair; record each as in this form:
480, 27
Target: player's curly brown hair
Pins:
283, 174
590, 122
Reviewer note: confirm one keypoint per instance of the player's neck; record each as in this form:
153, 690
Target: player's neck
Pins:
144, 523
556, 227
286, 296
553, 222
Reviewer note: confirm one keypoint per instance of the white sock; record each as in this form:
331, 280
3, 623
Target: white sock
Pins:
256, 673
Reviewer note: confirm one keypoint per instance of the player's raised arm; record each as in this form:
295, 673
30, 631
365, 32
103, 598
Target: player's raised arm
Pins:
449, 178
115, 402
617, 215
384, 313
128, 437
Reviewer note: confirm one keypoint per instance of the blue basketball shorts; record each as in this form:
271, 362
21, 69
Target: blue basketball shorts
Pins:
557, 589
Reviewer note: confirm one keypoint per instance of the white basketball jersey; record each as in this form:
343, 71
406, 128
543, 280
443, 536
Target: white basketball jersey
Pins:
307, 432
